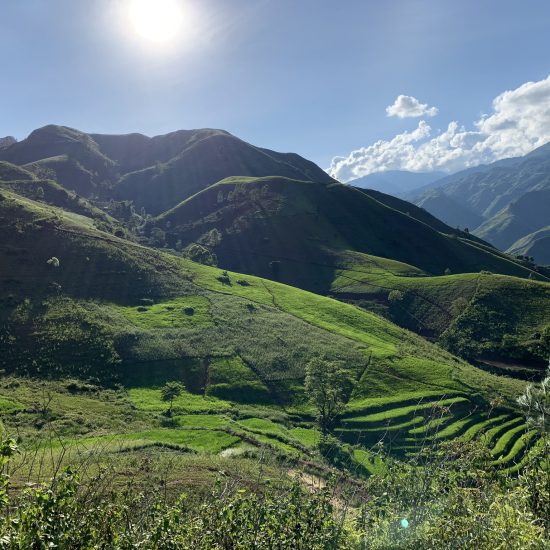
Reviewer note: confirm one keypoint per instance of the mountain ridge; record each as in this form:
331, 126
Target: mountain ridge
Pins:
488, 194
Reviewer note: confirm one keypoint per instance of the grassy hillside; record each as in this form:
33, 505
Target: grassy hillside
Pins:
72, 157
525, 215
536, 244
26, 184
112, 312
11, 172
477, 315
302, 223
340, 241
204, 162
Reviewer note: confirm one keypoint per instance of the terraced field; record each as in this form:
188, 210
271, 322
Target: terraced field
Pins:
410, 424
370, 429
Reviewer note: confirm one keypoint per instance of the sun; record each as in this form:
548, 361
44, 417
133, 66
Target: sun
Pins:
156, 20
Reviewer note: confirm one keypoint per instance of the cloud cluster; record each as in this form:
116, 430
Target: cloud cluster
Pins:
519, 122
406, 106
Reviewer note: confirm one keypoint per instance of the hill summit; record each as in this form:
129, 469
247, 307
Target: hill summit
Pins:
156, 173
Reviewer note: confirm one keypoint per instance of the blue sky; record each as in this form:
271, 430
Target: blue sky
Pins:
310, 76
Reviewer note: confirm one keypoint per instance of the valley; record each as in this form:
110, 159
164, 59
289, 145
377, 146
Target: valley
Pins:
232, 292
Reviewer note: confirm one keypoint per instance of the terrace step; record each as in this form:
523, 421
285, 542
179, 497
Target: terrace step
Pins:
479, 428
518, 450
527, 457
379, 404
389, 414
507, 440
494, 433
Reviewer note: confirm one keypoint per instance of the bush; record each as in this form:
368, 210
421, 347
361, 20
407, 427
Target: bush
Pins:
395, 296
65, 514
224, 278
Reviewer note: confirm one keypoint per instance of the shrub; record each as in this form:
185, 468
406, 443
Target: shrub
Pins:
395, 296
224, 278
200, 254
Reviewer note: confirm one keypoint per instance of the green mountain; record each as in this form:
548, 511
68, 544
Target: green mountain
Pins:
339, 241
27, 184
82, 303
535, 245
501, 202
154, 173
521, 217
448, 209
284, 228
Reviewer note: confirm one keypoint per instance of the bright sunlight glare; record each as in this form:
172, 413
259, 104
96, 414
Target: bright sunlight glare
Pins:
156, 20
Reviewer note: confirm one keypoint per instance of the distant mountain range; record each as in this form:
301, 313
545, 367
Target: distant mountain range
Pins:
396, 182
506, 203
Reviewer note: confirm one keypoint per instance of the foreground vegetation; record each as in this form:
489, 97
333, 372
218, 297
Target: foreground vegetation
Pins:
450, 499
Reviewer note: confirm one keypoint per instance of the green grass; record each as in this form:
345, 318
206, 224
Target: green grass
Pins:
205, 441
518, 448
8, 406
149, 399
229, 378
241, 354
306, 436
261, 425
371, 462
479, 427
492, 434
205, 421
505, 440
186, 312
399, 412
526, 458
431, 427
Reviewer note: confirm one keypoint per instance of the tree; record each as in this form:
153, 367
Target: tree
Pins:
395, 296
536, 404
169, 392
328, 388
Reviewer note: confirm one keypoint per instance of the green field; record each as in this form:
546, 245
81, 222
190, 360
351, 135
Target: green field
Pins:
91, 342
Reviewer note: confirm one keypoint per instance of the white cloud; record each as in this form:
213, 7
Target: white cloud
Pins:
519, 122
406, 106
